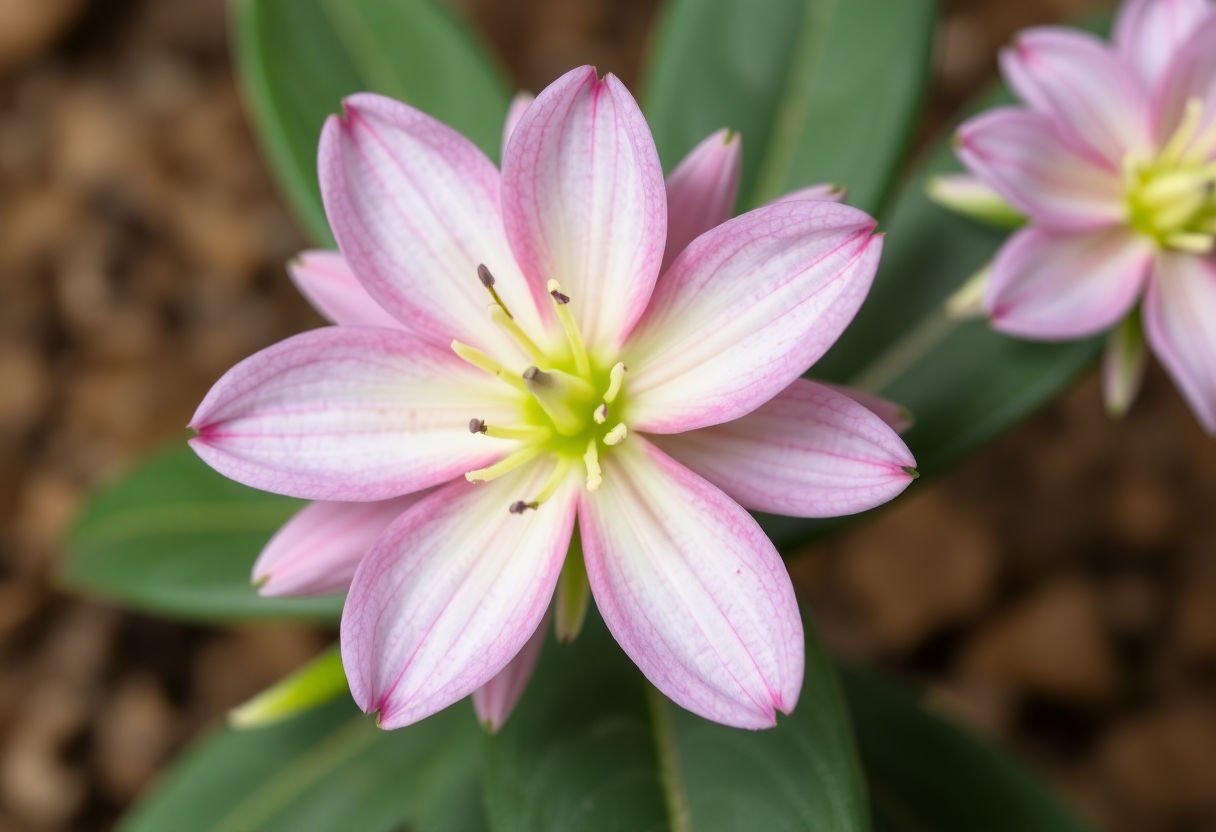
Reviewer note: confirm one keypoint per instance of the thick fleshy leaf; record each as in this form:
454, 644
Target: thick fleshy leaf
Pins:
495, 700
584, 201
173, 537
926, 774
809, 452
1180, 323
1066, 286
1020, 154
1149, 33
692, 589
1191, 76
702, 189
348, 413
1081, 83
451, 593
592, 747
745, 310
820, 90
297, 59
327, 283
325, 770
317, 550
1123, 365
415, 209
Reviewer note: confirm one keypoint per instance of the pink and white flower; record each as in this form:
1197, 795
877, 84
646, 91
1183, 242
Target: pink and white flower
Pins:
1112, 158
510, 354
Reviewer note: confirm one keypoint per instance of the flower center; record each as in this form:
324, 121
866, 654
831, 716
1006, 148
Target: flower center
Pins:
571, 403
1172, 198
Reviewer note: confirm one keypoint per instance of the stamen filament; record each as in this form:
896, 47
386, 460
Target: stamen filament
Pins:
1192, 243
503, 318
556, 476
1186, 130
579, 349
616, 377
554, 391
483, 362
487, 279
616, 435
504, 466
534, 433
591, 459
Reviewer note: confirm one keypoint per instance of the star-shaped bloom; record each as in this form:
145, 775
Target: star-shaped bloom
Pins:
1112, 159
516, 352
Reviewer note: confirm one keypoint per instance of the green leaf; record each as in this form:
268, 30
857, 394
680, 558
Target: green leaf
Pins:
317, 683
327, 770
926, 774
175, 537
592, 747
298, 58
820, 90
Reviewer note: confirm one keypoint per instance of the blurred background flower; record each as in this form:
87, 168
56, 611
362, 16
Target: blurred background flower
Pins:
1057, 591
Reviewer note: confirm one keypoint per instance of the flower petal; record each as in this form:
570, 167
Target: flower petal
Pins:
414, 207
349, 413
519, 105
810, 452
1190, 76
1083, 86
745, 310
1149, 33
317, 550
692, 590
451, 593
1054, 287
816, 193
1180, 323
701, 191
584, 203
327, 283
1021, 155
896, 416
495, 700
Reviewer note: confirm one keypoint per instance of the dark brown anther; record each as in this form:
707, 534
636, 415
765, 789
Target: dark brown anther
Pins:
560, 297
519, 507
535, 375
484, 275
477, 426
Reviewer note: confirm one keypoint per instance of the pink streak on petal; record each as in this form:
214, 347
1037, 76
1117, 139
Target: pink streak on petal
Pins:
1190, 75
701, 191
327, 283
692, 590
415, 209
1096, 99
348, 414
1180, 324
815, 193
896, 416
810, 452
1149, 33
584, 202
1022, 156
519, 105
495, 700
317, 550
451, 593
1057, 287
744, 310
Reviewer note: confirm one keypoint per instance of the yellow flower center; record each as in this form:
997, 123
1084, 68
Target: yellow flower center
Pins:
572, 403
1172, 198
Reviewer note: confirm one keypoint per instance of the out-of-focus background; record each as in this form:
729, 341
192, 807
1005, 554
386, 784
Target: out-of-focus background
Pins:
1057, 592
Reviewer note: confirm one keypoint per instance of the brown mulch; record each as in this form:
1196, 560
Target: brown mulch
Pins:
1057, 592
